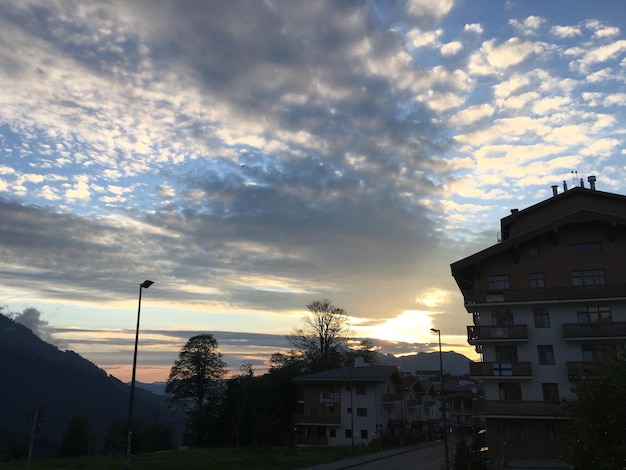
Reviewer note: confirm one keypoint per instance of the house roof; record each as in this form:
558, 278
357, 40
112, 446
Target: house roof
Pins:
576, 206
369, 374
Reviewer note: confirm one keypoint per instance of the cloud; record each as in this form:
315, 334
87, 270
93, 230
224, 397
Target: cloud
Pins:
565, 31
31, 319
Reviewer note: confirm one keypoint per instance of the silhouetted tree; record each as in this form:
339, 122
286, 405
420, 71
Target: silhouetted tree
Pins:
598, 418
322, 341
115, 439
77, 439
194, 383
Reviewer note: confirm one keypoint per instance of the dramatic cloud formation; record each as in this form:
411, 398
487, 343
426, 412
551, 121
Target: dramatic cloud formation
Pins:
250, 157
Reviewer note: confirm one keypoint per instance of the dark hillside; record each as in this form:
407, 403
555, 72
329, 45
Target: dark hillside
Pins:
65, 385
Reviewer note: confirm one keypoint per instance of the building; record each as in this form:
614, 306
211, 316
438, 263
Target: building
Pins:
349, 406
548, 302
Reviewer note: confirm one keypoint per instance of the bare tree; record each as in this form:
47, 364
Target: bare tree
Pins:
322, 341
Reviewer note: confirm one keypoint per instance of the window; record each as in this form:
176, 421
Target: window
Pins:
314, 411
498, 282
542, 318
361, 390
589, 277
598, 352
510, 391
550, 392
332, 432
502, 318
361, 411
363, 433
533, 251
536, 280
348, 433
581, 248
599, 314
349, 410
506, 354
546, 354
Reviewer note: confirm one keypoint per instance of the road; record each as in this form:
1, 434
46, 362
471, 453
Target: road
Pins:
422, 457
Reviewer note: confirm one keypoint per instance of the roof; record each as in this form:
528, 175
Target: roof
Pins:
369, 374
578, 205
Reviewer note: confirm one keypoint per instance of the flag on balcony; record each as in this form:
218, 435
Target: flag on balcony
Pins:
499, 332
502, 369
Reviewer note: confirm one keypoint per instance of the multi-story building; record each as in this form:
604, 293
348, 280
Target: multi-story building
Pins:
548, 302
349, 406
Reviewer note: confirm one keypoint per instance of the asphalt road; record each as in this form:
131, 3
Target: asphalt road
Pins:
428, 456
423, 458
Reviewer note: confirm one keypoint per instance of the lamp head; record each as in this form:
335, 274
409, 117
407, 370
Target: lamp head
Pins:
434, 330
145, 284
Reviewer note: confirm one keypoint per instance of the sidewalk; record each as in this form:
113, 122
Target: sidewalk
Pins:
355, 461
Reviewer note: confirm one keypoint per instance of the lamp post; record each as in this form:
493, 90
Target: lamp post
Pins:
129, 430
443, 403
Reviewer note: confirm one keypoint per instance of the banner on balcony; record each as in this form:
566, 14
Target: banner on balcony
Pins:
502, 369
329, 398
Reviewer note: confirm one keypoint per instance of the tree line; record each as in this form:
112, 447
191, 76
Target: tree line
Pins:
247, 409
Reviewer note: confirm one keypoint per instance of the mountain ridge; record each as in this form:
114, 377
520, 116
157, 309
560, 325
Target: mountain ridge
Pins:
65, 385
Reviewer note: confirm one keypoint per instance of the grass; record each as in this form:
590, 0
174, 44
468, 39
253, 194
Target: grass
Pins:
248, 458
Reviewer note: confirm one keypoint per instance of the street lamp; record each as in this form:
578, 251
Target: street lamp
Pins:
443, 402
129, 430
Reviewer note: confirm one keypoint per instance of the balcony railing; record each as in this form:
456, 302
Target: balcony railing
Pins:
484, 333
614, 330
578, 369
391, 397
500, 369
314, 419
545, 294
519, 408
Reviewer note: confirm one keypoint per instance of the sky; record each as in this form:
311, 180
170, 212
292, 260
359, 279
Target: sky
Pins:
250, 157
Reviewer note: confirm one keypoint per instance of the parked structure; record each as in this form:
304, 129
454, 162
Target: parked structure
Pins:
548, 302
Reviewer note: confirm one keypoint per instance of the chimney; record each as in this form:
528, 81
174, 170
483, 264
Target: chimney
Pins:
582, 183
555, 190
564, 185
592, 182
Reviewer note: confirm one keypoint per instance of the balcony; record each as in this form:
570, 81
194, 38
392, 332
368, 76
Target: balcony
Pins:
474, 298
485, 334
317, 420
590, 331
500, 370
392, 397
579, 369
524, 409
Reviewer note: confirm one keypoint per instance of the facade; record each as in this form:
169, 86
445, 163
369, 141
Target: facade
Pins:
355, 405
548, 304
348, 406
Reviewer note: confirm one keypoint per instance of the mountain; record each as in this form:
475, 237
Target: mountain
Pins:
64, 385
158, 388
453, 363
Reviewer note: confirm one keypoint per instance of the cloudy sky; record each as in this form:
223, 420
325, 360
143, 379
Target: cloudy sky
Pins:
252, 156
